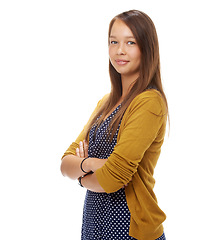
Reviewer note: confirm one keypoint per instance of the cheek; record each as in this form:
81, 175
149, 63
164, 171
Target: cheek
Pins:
136, 54
136, 59
110, 52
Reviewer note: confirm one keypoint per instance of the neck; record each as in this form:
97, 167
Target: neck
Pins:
127, 83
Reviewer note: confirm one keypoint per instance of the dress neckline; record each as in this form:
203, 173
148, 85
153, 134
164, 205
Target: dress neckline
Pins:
116, 109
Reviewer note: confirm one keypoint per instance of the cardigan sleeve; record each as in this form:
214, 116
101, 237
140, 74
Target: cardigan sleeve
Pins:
72, 148
139, 129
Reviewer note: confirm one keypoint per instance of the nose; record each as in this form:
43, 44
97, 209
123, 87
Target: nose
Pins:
121, 50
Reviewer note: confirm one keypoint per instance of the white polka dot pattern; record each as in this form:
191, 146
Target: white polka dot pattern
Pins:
105, 216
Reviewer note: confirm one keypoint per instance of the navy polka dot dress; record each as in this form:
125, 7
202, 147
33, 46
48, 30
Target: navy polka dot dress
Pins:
105, 216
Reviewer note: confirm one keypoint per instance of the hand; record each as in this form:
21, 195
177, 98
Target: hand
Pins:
94, 163
82, 151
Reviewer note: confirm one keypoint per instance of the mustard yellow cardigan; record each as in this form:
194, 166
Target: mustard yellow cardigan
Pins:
133, 160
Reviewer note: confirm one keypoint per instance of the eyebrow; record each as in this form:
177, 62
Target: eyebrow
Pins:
125, 37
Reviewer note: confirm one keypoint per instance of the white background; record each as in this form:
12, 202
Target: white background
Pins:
54, 69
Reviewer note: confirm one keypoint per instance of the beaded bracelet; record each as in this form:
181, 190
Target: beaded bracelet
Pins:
82, 164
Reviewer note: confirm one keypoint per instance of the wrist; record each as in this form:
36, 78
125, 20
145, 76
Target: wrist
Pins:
80, 181
85, 165
92, 163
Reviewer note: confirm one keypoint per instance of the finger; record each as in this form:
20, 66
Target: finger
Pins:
85, 144
81, 150
77, 152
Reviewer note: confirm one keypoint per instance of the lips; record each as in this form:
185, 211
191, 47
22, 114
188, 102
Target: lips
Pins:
121, 62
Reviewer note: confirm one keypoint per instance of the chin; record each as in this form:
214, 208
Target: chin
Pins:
122, 72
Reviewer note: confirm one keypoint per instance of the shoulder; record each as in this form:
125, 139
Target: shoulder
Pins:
149, 100
103, 100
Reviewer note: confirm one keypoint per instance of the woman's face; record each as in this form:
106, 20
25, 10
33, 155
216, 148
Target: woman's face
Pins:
124, 53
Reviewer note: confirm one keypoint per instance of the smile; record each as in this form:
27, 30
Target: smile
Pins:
121, 62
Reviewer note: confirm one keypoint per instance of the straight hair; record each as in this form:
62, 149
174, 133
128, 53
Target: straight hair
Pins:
145, 35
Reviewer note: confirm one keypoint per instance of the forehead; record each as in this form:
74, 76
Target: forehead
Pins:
120, 29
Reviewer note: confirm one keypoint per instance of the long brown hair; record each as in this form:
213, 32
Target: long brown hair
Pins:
145, 34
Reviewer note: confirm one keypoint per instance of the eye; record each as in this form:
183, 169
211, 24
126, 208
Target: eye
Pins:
131, 43
114, 42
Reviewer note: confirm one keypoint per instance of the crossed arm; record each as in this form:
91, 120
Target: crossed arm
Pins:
70, 167
144, 124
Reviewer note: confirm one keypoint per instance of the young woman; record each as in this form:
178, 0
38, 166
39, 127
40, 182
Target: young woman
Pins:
115, 155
